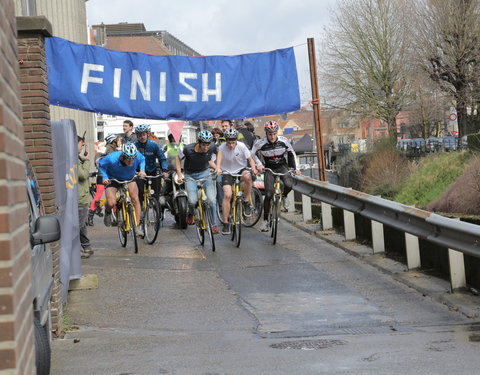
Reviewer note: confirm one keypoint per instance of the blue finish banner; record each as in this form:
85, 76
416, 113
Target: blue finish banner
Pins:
96, 79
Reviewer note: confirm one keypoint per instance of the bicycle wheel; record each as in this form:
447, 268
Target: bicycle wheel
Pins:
151, 221
133, 228
198, 227
238, 221
256, 201
219, 213
207, 214
275, 209
122, 233
182, 210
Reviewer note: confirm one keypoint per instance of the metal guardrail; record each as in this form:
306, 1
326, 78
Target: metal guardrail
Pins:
450, 233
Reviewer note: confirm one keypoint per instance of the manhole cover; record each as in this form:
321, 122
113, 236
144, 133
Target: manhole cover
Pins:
308, 344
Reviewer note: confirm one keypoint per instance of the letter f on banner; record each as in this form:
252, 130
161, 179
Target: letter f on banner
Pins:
86, 78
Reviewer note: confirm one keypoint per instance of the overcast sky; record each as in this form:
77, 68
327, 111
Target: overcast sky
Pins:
225, 27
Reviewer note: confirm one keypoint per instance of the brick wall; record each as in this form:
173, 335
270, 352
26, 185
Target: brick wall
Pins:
37, 129
17, 352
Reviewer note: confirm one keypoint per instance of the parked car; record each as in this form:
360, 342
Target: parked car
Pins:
449, 143
404, 145
418, 145
433, 144
43, 230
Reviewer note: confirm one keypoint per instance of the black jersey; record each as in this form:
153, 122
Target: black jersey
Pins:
196, 161
274, 154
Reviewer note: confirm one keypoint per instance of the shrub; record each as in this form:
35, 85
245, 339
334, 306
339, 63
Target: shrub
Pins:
385, 172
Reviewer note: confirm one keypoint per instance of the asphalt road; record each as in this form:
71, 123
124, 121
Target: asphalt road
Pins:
302, 306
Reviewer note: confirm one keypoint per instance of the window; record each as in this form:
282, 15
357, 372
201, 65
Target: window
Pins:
29, 8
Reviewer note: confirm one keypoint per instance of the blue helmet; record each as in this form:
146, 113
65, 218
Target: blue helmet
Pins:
142, 128
205, 136
129, 150
110, 138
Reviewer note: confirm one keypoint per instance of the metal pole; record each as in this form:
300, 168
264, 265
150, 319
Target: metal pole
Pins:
316, 109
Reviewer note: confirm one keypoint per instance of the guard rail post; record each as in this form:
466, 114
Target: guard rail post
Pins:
327, 219
413, 251
457, 270
378, 241
349, 224
306, 207
291, 201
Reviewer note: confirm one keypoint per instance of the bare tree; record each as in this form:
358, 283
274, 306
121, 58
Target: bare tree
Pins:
364, 59
427, 104
447, 44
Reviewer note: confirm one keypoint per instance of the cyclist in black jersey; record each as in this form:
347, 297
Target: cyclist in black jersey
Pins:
279, 156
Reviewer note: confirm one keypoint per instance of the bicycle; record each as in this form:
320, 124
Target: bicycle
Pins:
236, 208
273, 216
203, 214
125, 215
151, 213
256, 204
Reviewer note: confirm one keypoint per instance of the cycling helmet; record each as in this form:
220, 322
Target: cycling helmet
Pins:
271, 126
129, 150
142, 128
230, 133
205, 136
110, 138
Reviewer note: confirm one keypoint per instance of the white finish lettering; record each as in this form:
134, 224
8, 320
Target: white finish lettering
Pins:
117, 75
86, 78
187, 97
138, 82
162, 95
217, 91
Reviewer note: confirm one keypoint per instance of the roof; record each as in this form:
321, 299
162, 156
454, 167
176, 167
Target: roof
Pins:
303, 145
143, 44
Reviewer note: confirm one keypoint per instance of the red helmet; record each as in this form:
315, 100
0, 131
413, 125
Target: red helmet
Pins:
271, 126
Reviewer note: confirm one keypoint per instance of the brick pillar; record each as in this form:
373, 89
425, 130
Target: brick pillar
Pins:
17, 350
37, 128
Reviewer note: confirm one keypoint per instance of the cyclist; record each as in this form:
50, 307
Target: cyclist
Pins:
278, 155
112, 141
171, 150
233, 157
152, 152
122, 165
199, 158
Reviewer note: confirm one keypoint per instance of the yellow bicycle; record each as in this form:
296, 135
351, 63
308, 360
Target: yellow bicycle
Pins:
236, 208
203, 215
125, 215
274, 214
151, 215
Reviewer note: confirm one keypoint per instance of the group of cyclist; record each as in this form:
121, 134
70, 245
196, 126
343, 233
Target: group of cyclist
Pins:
144, 157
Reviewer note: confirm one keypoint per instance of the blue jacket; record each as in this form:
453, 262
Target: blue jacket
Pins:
152, 151
110, 166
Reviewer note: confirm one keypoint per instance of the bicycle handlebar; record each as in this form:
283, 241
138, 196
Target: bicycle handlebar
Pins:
279, 174
237, 175
123, 182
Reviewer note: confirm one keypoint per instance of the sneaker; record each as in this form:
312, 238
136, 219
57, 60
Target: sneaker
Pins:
190, 219
107, 220
285, 204
162, 201
89, 251
226, 228
215, 230
264, 226
84, 254
247, 209
139, 231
